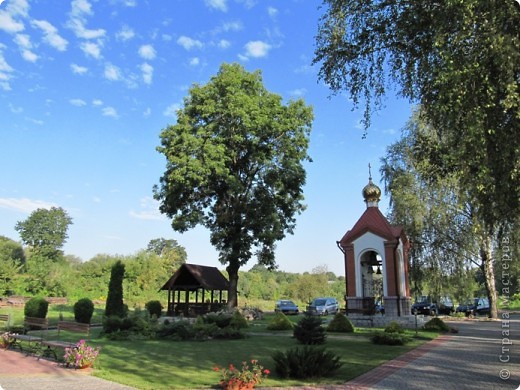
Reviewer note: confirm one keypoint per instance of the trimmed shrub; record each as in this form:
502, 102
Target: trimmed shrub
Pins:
280, 322
238, 321
36, 307
221, 319
305, 362
340, 323
436, 325
112, 324
114, 304
389, 338
394, 327
178, 330
83, 310
154, 308
309, 330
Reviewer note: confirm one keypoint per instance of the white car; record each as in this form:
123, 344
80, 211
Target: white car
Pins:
323, 306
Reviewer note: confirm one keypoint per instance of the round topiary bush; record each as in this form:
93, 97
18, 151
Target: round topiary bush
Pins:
154, 308
340, 323
36, 307
280, 322
436, 325
83, 310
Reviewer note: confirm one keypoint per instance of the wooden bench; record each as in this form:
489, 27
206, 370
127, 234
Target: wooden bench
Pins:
64, 326
33, 342
6, 318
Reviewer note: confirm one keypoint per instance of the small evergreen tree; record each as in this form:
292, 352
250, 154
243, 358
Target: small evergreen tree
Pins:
115, 305
309, 330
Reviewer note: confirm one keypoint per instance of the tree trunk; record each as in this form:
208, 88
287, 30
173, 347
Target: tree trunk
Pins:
232, 270
486, 256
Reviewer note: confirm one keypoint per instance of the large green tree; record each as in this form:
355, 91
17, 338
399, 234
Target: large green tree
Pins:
235, 165
461, 61
45, 231
432, 206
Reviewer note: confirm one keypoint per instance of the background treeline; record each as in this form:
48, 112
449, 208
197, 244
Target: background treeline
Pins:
26, 272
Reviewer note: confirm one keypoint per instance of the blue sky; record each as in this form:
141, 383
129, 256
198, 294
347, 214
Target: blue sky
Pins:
87, 86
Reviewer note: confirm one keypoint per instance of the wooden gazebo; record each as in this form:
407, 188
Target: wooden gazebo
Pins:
207, 284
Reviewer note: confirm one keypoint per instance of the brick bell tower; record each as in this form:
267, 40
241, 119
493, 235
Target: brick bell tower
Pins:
376, 261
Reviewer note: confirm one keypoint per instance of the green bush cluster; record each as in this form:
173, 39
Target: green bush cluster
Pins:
280, 322
83, 310
36, 307
309, 330
154, 308
306, 362
394, 327
340, 323
436, 325
389, 338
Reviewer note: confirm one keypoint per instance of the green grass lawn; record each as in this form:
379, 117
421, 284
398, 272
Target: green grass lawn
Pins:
166, 364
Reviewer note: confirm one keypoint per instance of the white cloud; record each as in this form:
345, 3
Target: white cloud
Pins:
97, 102
171, 110
147, 70
91, 49
272, 12
78, 69
194, 61
28, 55
224, 44
112, 72
5, 71
125, 34
8, 16
77, 102
298, 92
80, 7
147, 112
8, 24
147, 52
15, 110
232, 26
25, 205
24, 43
110, 111
189, 43
149, 209
50, 35
78, 26
217, 4
257, 49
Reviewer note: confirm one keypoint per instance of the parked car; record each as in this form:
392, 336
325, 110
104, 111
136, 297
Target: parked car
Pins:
431, 306
286, 306
474, 307
380, 308
323, 306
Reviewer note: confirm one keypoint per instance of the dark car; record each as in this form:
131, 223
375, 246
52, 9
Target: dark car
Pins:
474, 307
286, 306
429, 306
424, 305
323, 306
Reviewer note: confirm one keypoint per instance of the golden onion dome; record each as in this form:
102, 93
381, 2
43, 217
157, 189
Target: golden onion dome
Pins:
371, 192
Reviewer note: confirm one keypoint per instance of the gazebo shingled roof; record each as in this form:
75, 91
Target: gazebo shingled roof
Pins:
191, 277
